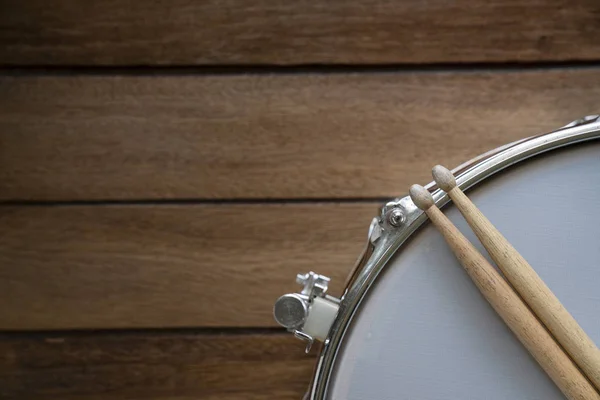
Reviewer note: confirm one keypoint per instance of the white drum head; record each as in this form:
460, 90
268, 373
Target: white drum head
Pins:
425, 332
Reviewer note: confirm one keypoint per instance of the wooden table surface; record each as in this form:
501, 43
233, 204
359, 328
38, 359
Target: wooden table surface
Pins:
168, 166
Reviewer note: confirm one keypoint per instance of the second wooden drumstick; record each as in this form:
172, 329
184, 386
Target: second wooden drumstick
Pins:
526, 281
508, 305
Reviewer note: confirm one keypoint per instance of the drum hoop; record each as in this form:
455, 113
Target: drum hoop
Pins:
385, 239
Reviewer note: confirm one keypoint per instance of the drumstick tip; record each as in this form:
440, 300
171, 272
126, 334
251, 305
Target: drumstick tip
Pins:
421, 197
444, 178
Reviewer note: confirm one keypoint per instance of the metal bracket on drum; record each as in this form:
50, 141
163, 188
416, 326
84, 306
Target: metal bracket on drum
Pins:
310, 313
313, 315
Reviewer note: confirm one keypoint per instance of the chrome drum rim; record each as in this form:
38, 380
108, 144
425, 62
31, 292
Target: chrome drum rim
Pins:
386, 235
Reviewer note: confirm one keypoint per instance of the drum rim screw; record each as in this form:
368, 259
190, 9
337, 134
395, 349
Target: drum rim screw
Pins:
396, 217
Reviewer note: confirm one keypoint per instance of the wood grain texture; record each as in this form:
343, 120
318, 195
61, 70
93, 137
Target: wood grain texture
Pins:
266, 136
183, 32
74, 267
532, 289
514, 312
154, 366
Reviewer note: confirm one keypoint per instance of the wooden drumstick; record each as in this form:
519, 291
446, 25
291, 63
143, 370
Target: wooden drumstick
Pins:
526, 281
508, 305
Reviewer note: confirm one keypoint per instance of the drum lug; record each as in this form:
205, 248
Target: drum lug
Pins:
310, 313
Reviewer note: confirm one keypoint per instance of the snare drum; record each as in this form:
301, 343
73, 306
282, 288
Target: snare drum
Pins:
412, 325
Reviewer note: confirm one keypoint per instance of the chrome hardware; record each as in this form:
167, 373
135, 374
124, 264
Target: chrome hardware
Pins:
385, 239
314, 284
388, 231
393, 215
588, 119
396, 217
375, 230
291, 310
310, 313
307, 338
397, 213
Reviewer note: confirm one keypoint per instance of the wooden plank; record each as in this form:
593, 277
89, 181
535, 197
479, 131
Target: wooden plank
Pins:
267, 136
181, 32
74, 267
153, 366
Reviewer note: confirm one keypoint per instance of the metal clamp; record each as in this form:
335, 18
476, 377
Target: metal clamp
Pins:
314, 284
308, 314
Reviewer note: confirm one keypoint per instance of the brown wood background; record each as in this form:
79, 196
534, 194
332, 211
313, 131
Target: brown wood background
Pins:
168, 166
